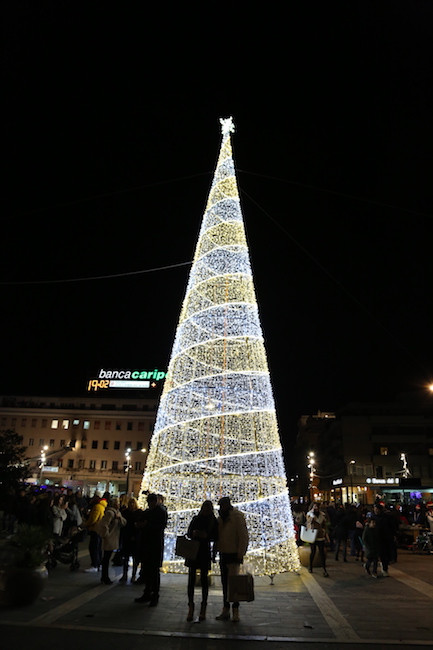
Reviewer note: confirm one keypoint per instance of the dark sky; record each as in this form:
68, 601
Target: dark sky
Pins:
110, 140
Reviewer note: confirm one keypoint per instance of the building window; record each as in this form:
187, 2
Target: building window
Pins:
81, 463
13, 423
65, 424
44, 423
103, 464
105, 444
94, 444
107, 425
141, 426
31, 442
49, 463
60, 463
52, 442
34, 422
115, 465
96, 424
379, 471
86, 424
75, 423
116, 444
128, 445
3, 421
23, 422
118, 426
430, 451
139, 446
62, 443
72, 443
129, 426
71, 463
41, 442
92, 464
384, 451
137, 466
54, 424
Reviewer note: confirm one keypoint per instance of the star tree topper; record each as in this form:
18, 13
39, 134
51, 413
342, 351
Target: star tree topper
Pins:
227, 125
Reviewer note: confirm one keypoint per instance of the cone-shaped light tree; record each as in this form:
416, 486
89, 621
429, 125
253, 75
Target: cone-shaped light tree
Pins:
216, 431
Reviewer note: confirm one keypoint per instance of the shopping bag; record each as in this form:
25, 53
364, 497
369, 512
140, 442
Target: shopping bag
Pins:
241, 588
187, 548
308, 534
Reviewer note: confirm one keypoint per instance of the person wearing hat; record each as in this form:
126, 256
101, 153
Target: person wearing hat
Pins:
232, 545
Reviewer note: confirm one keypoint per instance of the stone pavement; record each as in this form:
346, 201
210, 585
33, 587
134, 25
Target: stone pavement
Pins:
346, 607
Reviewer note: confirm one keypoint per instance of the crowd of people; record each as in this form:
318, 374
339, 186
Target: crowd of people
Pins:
370, 534
136, 535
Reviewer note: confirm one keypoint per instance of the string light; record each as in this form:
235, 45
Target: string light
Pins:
216, 431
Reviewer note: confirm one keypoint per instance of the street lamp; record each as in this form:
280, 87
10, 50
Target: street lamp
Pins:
43, 459
352, 462
128, 465
311, 463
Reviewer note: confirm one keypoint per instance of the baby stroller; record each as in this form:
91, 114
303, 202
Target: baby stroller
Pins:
66, 551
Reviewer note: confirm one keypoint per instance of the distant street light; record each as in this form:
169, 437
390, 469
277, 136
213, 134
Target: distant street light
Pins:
128, 465
352, 462
42, 465
311, 464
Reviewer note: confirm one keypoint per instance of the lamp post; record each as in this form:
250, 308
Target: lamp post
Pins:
311, 463
43, 459
352, 462
128, 465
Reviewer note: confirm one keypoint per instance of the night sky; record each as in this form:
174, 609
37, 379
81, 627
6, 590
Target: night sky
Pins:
110, 141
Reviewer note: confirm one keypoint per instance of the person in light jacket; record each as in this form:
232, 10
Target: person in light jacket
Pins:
232, 545
109, 530
316, 520
59, 514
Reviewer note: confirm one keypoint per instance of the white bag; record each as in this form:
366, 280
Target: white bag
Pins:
308, 534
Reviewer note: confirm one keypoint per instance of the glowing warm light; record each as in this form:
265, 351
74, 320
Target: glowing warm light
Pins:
431, 388
216, 430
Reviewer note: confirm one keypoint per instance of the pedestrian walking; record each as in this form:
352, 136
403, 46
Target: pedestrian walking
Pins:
316, 520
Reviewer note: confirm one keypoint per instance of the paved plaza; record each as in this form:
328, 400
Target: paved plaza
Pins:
347, 607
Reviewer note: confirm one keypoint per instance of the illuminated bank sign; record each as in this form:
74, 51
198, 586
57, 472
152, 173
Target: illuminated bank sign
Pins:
126, 379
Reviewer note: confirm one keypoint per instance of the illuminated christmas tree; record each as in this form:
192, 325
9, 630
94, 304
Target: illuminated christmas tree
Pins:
216, 431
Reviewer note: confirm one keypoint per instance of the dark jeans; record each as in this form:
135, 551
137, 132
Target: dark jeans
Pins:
95, 549
321, 546
227, 560
192, 572
371, 561
105, 564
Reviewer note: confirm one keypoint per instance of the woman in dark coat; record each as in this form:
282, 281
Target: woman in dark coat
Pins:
203, 528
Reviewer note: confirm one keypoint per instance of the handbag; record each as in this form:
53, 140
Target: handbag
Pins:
187, 548
308, 534
241, 588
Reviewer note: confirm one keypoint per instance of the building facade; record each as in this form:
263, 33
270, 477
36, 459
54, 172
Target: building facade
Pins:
374, 450
91, 442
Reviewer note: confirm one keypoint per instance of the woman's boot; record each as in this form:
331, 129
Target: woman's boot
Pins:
202, 615
190, 612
